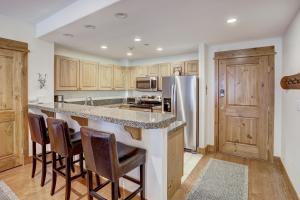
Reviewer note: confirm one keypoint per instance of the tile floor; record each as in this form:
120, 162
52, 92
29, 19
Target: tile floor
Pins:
190, 162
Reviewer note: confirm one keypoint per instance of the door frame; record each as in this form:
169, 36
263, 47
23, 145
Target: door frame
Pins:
241, 53
13, 45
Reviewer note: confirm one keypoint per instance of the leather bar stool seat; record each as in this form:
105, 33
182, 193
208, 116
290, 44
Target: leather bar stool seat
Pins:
39, 135
67, 146
111, 160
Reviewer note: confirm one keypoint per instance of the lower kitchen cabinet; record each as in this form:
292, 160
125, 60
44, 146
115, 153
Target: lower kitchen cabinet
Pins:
66, 73
106, 78
88, 76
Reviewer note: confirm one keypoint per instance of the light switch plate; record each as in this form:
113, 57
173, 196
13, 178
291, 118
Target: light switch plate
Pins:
298, 105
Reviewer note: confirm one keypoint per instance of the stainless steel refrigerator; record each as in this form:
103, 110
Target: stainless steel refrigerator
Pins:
180, 96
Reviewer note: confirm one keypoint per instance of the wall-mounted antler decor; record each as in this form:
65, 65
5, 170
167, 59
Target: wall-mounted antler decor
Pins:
290, 82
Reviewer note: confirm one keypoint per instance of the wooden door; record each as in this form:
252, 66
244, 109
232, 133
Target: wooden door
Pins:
13, 108
153, 70
106, 74
119, 78
164, 70
66, 73
245, 95
191, 67
88, 76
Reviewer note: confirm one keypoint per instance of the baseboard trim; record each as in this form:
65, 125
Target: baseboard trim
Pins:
208, 149
286, 177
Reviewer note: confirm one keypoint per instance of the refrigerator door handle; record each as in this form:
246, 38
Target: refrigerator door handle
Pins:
174, 97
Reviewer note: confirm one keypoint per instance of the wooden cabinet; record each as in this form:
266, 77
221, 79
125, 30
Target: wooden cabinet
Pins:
106, 74
119, 77
66, 73
141, 71
177, 68
153, 70
175, 160
191, 67
131, 78
164, 70
88, 76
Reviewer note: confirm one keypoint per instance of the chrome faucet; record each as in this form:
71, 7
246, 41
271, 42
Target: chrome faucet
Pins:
90, 100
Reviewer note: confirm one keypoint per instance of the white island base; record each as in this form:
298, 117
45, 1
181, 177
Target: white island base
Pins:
164, 146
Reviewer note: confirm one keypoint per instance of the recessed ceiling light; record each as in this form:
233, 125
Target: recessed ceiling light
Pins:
121, 15
129, 54
137, 39
68, 35
231, 20
103, 47
89, 26
159, 49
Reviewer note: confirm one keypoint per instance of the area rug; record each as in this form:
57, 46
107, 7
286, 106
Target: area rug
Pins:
221, 180
6, 193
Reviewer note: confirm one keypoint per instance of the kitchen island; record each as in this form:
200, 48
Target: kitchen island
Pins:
160, 134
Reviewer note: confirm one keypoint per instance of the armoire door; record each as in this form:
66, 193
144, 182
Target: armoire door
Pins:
12, 120
245, 105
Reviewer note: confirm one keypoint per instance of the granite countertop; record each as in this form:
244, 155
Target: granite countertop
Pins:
137, 119
176, 125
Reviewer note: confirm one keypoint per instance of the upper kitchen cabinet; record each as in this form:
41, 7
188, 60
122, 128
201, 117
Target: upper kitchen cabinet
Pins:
119, 77
88, 75
177, 68
141, 71
191, 67
153, 70
164, 70
131, 78
66, 73
106, 77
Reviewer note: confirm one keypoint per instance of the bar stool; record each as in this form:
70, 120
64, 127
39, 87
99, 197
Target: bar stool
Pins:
111, 160
67, 147
39, 135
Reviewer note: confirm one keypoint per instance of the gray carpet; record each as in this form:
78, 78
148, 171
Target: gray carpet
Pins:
6, 193
221, 180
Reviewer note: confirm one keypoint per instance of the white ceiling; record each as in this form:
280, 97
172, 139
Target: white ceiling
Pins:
32, 11
176, 25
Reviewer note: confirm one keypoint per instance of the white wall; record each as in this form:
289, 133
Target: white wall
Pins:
290, 105
40, 58
175, 58
210, 81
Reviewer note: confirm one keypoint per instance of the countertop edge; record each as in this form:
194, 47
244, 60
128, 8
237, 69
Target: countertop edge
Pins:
144, 125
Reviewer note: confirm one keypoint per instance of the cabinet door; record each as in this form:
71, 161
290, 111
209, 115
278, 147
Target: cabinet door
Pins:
119, 78
142, 71
191, 67
153, 70
106, 74
177, 68
88, 76
131, 78
66, 73
164, 70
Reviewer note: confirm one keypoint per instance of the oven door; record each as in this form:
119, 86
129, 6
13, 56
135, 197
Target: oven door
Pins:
146, 83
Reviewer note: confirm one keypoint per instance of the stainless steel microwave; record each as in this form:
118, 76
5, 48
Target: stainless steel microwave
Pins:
149, 83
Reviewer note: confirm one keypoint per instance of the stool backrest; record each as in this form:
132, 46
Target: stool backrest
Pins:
59, 136
38, 130
100, 152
